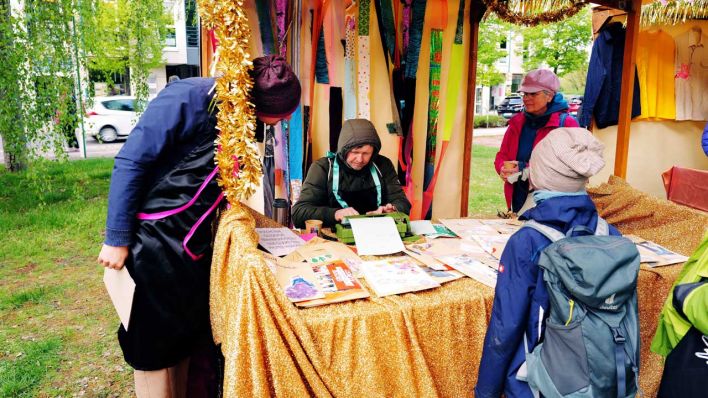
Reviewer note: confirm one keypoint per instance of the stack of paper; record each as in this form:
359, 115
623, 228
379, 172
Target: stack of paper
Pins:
656, 255
387, 277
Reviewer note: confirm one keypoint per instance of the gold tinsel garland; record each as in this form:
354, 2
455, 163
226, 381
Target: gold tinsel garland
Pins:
534, 12
237, 154
673, 12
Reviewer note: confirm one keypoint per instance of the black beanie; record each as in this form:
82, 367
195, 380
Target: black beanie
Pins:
276, 89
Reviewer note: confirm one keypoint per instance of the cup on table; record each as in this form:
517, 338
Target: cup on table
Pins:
313, 227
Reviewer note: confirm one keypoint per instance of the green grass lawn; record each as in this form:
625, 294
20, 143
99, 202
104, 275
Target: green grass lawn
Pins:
57, 325
486, 188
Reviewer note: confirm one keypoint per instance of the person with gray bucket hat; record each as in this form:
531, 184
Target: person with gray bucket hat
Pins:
355, 180
560, 167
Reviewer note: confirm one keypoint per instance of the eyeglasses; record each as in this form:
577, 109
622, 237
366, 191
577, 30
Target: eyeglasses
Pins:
533, 95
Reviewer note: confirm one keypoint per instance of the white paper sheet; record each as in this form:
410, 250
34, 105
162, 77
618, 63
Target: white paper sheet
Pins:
422, 227
376, 236
278, 241
121, 289
396, 277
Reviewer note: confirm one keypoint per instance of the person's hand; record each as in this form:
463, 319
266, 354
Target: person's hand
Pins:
113, 256
388, 208
506, 172
341, 213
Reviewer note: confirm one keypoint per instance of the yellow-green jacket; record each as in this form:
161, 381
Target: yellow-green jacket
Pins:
689, 307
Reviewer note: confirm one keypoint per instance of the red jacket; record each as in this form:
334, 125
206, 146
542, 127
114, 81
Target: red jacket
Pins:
510, 143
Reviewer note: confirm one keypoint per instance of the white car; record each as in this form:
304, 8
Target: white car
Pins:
111, 118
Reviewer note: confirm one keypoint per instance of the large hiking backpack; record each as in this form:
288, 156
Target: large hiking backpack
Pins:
591, 344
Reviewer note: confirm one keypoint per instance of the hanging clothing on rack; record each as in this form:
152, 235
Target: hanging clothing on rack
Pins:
655, 66
692, 75
604, 80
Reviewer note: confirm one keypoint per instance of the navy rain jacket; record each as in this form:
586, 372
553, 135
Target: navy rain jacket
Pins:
521, 301
167, 131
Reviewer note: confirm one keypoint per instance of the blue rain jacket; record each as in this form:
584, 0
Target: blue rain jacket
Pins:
521, 301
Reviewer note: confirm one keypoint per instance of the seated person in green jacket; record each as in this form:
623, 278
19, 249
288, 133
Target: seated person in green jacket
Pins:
355, 180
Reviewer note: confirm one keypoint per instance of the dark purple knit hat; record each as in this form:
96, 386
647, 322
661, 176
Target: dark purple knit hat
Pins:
276, 89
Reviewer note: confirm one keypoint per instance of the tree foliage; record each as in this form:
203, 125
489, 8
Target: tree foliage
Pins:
561, 46
44, 45
492, 31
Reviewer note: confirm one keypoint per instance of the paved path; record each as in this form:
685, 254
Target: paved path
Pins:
488, 137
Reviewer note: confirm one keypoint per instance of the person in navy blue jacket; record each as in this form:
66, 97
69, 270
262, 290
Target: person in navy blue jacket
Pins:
560, 166
704, 140
161, 206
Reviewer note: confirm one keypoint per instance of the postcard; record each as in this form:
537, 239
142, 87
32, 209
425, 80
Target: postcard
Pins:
121, 289
387, 277
492, 244
297, 280
467, 227
338, 284
656, 255
376, 236
473, 268
422, 227
278, 241
328, 251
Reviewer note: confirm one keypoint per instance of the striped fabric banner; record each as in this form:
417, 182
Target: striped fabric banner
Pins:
363, 61
350, 62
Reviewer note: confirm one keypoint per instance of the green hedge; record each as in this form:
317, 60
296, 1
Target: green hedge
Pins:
482, 121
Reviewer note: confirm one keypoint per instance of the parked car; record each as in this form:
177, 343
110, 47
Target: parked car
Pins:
510, 106
575, 105
111, 118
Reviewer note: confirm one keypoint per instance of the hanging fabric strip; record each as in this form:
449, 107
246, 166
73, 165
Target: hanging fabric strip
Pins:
363, 61
321, 71
433, 109
405, 26
280, 147
415, 34
332, 26
268, 172
349, 62
295, 154
335, 116
265, 25
387, 27
281, 9
452, 102
387, 34
320, 7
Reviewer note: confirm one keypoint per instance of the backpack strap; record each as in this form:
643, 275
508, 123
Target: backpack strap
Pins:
548, 232
563, 116
619, 362
602, 227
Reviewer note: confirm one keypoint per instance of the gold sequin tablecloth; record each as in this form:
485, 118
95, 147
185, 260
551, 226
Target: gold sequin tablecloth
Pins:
425, 344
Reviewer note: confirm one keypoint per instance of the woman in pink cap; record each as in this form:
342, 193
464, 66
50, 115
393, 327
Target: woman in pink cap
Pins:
544, 110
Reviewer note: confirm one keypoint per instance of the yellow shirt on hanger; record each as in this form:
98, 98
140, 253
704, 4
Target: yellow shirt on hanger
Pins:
655, 67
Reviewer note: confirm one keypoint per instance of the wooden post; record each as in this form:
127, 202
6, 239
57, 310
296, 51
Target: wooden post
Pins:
627, 92
205, 51
477, 9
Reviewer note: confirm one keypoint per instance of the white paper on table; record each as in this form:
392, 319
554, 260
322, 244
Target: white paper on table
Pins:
278, 241
376, 236
121, 289
422, 227
473, 268
396, 277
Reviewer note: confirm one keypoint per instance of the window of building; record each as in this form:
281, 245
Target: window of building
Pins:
171, 37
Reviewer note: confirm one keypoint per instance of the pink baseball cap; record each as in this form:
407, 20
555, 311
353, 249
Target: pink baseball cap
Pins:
539, 80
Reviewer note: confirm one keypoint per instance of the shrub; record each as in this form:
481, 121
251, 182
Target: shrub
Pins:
483, 121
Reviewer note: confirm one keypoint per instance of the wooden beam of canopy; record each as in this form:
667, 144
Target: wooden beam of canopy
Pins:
627, 92
477, 10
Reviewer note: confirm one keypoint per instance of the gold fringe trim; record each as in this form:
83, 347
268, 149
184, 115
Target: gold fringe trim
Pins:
534, 12
237, 154
674, 12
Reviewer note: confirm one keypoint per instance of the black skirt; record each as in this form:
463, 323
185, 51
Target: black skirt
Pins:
170, 314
